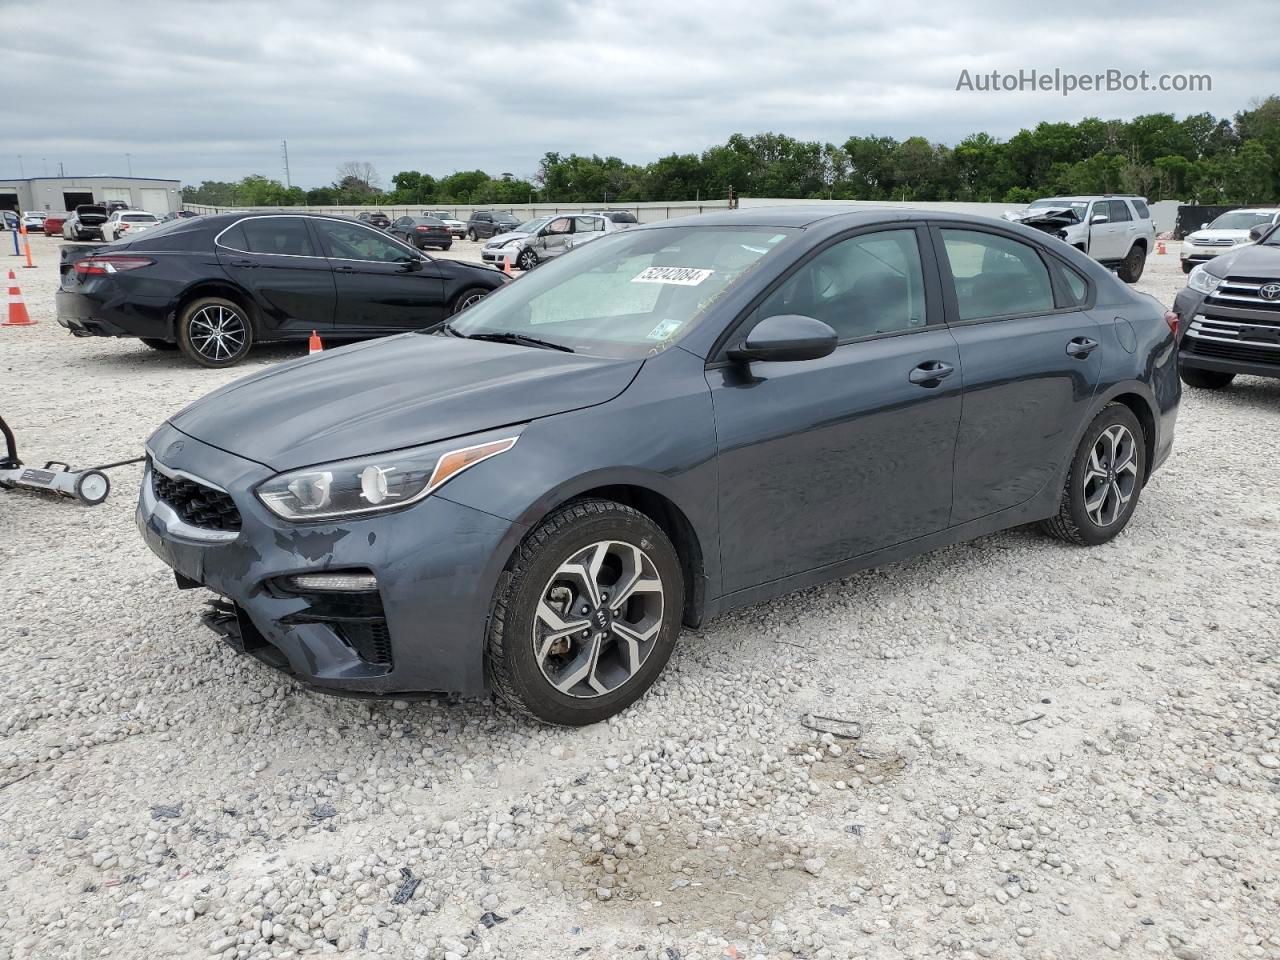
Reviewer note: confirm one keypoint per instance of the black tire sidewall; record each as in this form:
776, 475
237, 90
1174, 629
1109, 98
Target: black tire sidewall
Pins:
1205, 379
184, 339
1131, 272
457, 304
527, 260
524, 591
1111, 415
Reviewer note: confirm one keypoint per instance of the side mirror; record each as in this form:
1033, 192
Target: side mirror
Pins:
1258, 232
1204, 225
1098, 218
786, 337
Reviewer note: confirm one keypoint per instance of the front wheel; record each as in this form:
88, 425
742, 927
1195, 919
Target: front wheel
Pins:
1130, 270
471, 235
1105, 479
586, 615
1205, 379
1187, 266
214, 332
527, 259
467, 298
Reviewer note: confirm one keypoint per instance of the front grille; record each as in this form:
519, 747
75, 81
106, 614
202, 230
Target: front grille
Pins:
355, 616
197, 504
1243, 292
371, 641
1219, 242
1242, 352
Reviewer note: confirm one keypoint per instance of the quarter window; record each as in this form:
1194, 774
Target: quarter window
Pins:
350, 241
860, 287
995, 276
285, 236
1141, 207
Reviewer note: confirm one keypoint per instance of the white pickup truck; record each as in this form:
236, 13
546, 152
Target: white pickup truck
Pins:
1117, 231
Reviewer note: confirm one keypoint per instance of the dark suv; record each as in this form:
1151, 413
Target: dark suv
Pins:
489, 223
1229, 312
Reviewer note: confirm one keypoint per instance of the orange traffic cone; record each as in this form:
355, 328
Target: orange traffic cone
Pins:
506, 264
314, 345
1160, 250
18, 316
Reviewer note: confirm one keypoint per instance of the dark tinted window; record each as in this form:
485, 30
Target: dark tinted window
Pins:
277, 235
1141, 207
430, 222
860, 287
1119, 211
996, 276
350, 241
622, 216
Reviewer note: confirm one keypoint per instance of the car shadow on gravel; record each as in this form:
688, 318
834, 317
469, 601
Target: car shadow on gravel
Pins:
145, 359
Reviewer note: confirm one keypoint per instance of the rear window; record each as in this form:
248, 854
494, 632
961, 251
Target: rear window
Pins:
1141, 207
139, 218
622, 217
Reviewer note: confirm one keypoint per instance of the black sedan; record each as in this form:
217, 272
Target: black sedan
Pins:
213, 286
377, 219
422, 232
677, 420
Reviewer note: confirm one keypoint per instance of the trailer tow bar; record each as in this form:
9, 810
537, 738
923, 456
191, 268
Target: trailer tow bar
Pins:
89, 486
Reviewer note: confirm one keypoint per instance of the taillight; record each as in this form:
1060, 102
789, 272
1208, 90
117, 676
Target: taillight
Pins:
91, 266
122, 226
422, 229
1172, 319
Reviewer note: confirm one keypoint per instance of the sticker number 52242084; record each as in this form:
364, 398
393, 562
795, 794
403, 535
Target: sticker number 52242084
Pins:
681, 276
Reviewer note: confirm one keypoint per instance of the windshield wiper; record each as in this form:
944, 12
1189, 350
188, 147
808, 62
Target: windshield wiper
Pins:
510, 336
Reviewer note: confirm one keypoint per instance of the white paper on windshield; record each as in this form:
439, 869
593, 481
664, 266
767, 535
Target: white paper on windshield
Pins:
680, 276
664, 329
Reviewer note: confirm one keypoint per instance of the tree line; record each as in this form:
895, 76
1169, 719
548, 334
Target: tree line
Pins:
1198, 159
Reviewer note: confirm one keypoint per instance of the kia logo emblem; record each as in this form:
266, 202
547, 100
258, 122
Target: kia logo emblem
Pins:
1270, 291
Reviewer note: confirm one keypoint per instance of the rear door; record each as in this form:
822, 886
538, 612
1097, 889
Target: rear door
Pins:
382, 285
1031, 357
275, 258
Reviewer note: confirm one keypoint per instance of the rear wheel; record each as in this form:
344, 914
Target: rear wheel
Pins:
1205, 379
157, 344
1130, 270
214, 332
586, 615
1105, 480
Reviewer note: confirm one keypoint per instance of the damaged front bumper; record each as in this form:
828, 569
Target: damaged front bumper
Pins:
379, 605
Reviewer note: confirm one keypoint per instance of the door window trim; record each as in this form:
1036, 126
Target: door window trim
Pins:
951, 305
270, 216
381, 234
935, 308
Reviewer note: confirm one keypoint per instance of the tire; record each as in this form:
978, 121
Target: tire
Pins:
527, 260
471, 235
157, 344
537, 610
1187, 266
200, 345
1090, 482
1205, 379
445, 247
1130, 271
467, 298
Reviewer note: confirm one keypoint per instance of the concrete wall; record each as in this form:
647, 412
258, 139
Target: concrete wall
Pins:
141, 193
1164, 212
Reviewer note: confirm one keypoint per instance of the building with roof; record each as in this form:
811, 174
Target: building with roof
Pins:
56, 194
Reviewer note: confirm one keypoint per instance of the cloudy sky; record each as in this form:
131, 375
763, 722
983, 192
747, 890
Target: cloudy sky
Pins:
206, 90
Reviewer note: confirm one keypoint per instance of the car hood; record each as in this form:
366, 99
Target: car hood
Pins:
1253, 260
499, 239
1044, 218
1219, 234
394, 393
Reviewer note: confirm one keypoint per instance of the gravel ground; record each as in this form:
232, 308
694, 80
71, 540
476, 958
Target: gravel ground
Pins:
1050, 752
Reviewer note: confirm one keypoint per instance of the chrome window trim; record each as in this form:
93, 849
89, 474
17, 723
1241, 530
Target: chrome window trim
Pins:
301, 256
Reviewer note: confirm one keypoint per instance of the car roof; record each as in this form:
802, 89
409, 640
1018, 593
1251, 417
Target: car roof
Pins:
1094, 196
803, 215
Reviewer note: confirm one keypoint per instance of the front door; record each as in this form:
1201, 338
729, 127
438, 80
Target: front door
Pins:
1106, 237
828, 459
383, 286
1032, 357
275, 259
553, 239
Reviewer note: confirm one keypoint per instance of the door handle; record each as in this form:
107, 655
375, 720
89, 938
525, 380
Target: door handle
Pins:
1081, 347
241, 262
345, 269
930, 374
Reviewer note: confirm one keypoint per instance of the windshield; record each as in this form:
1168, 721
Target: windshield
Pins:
1241, 220
625, 295
1078, 207
533, 226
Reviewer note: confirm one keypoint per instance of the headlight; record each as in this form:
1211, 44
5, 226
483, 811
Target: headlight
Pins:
1202, 281
371, 484
513, 240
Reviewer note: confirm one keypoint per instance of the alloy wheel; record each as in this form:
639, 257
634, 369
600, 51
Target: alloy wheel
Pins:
598, 619
1111, 476
217, 333
528, 260
470, 300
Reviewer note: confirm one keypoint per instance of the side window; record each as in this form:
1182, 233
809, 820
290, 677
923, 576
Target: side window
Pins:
1119, 211
996, 276
1100, 209
277, 235
1141, 207
860, 287
560, 225
350, 241
587, 224
1076, 286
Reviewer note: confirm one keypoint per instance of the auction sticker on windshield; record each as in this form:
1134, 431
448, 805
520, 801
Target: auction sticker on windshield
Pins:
681, 276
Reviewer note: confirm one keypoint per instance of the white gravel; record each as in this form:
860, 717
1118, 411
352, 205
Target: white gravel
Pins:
1060, 753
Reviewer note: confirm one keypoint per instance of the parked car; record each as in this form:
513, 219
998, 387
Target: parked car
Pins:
489, 223
114, 205
10, 220
1228, 230
123, 222
34, 220
547, 237
457, 228
85, 223
535, 499
1116, 231
378, 219
54, 222
1230, 310
216, 285
619, 216
178, 215
422, 232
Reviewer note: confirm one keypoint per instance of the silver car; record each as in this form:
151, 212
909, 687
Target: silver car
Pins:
457, 228
546, 238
